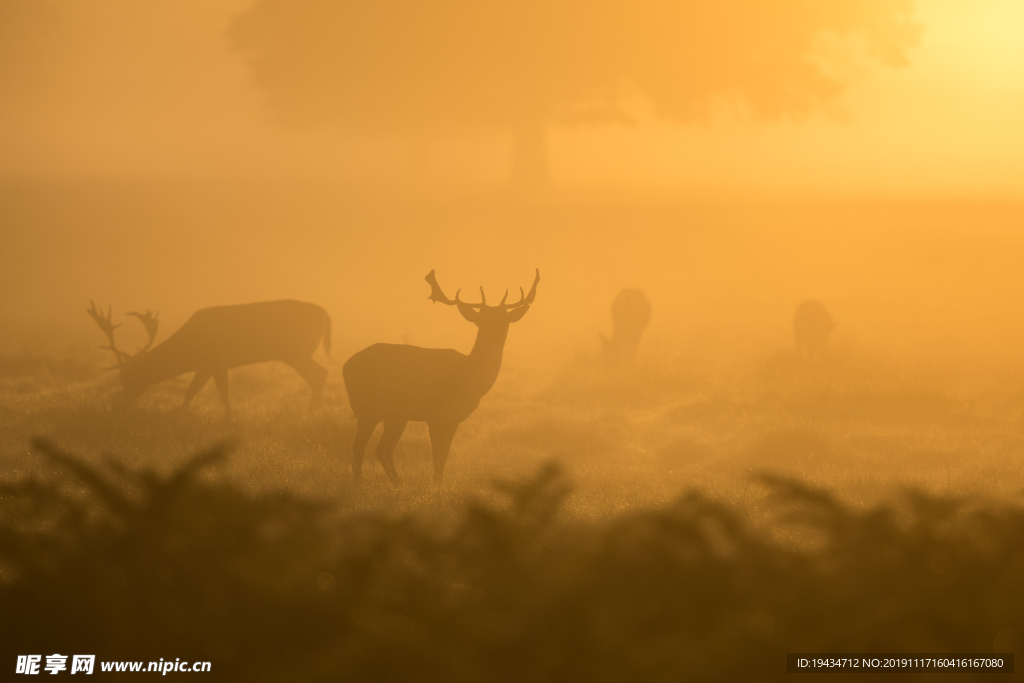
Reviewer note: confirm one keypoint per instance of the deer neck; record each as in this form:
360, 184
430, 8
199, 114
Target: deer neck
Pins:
485, 360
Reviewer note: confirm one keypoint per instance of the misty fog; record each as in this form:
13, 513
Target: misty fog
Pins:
726, 494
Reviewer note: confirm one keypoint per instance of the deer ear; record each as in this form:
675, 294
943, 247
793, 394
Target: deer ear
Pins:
516, 314
468, 313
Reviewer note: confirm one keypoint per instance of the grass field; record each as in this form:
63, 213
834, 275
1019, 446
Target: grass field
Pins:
858, 427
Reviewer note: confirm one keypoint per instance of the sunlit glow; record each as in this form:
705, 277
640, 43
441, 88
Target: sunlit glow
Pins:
774, 246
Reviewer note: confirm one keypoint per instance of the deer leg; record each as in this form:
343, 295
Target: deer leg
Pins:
386, 446
364, 430
198, 382
221, 378
441, 435
315, 374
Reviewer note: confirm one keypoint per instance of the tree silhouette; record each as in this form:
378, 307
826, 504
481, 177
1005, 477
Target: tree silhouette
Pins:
433, 66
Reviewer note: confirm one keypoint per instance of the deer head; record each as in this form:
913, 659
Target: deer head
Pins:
490, 319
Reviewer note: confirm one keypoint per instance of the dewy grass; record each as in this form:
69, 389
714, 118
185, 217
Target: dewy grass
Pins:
860, 428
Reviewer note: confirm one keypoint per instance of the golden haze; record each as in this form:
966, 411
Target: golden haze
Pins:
729, 159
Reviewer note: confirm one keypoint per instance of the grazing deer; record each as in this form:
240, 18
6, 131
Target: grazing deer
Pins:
812, 326
217, 339
396, 383
631, 313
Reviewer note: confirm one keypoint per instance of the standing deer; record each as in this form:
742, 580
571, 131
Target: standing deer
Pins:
631, 313
812, 326
396, 383
219, 338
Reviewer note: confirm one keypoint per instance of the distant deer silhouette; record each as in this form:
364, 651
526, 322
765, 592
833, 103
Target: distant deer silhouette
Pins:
631, 313
812, 326
396, 383
217, 339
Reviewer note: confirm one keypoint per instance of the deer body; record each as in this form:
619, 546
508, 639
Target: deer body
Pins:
422, 385
398, 383
631, 314
219, 338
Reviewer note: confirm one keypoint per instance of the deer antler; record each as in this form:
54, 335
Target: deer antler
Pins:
437, 295
150, 322
108, 328
435, 291
524, 300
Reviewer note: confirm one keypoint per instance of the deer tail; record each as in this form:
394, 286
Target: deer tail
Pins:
327, 334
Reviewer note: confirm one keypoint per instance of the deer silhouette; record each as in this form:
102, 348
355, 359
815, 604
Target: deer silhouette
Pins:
631, 313
219, 338
398, 383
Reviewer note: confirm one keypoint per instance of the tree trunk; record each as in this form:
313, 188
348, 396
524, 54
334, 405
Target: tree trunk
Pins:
529, 154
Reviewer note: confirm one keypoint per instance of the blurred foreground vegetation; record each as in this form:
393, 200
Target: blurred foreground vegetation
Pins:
269, 586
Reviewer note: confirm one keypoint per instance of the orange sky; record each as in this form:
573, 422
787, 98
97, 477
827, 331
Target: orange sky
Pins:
152, 89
